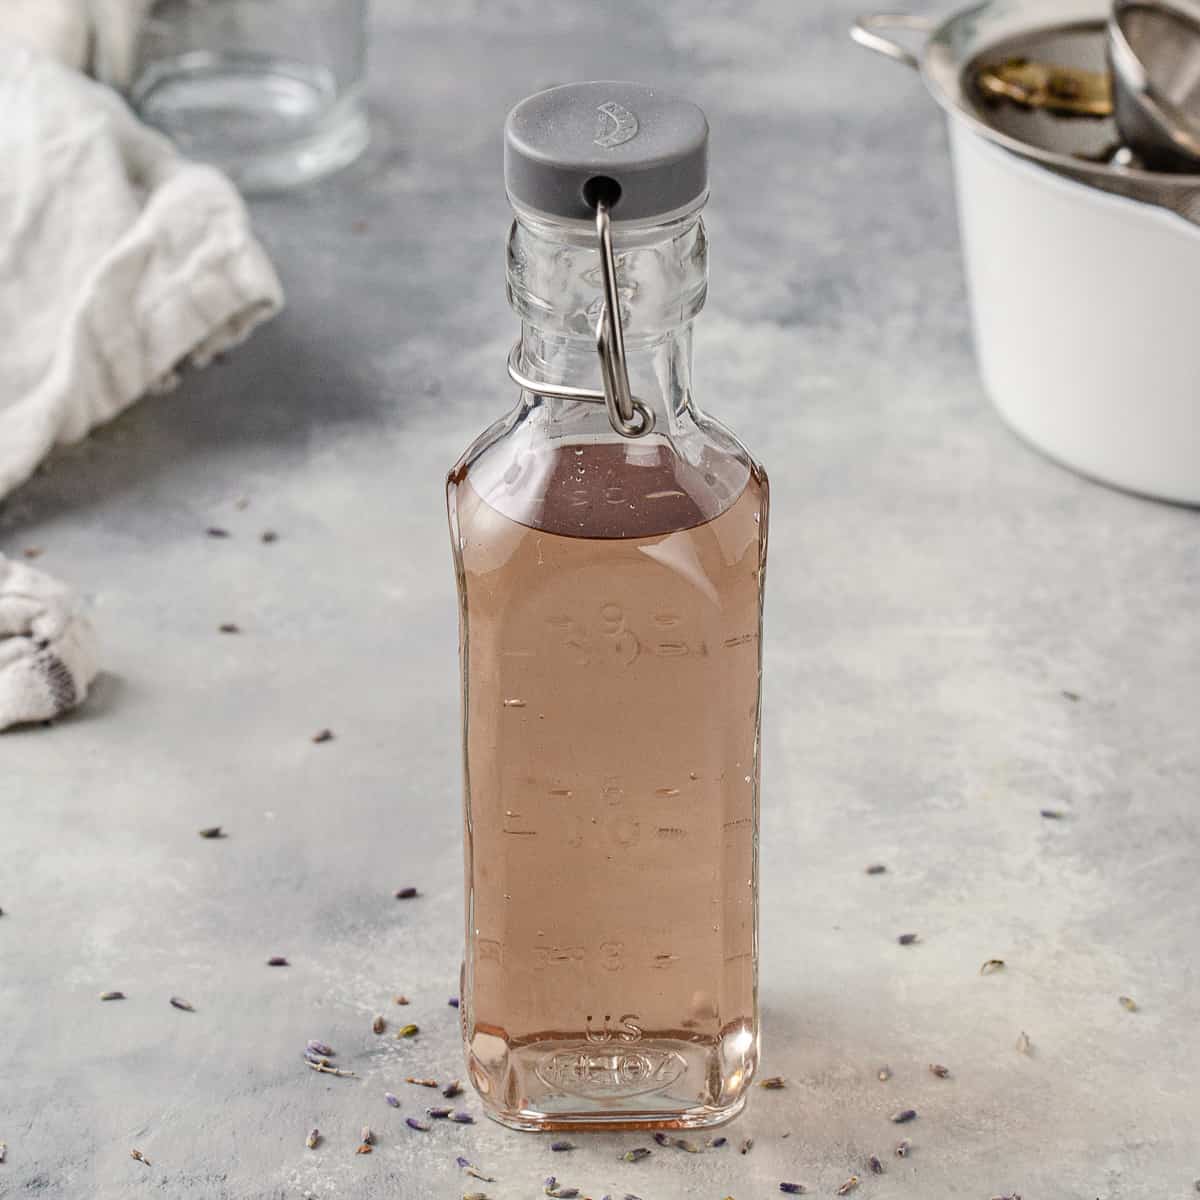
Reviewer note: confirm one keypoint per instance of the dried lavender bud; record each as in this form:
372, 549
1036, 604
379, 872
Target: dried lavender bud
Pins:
1074, 697
876, 869
774, 1084
379, 1024
875, 1164
636, 1154
462, 1118
1024, 1045
438, 1112
315, 1059
277, 960
228, 627
474, 1172
406, 893
112, 995
793, 1189
681, 1143
848, 1186
363, 1149
452, 1089
902, 1148
323, 1068
268, 536
560, 1147
717, 1142
429, 1083
314, 1136
662, 1139
1127, 1003
213, 831
904, 1116
992, 964
1053, 814
323, 735
181, 1004
746, 1146
319, 1048
908, 939
1017, 1196
551, 1188
419, 1126
885, 1073
138, 1156
407, 1031
940, 1071
453, 1002
391, 1099
215, 531
367, 1137
399, 999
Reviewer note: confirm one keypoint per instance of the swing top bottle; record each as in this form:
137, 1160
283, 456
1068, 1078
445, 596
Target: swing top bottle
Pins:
610, 545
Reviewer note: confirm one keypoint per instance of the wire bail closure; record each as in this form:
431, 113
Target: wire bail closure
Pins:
626, 413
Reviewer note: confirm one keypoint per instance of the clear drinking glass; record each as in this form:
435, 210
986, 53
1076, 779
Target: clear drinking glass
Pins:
269, 90
611, 612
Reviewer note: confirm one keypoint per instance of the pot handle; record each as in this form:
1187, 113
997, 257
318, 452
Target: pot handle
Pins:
867, 31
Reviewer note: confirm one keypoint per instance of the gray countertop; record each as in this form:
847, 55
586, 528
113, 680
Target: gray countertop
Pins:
935, 591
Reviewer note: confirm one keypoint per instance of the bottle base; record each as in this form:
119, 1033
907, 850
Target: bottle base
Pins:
656, 1082
616, 1122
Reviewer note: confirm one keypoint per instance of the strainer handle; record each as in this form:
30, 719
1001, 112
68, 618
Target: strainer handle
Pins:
868, 31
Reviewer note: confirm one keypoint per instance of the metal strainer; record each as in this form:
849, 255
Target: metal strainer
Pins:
1071, 34
1154, 55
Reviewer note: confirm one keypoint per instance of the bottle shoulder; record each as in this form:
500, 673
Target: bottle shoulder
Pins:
580, 484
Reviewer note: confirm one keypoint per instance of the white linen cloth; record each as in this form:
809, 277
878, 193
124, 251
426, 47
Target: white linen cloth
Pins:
119, 260
98, 34
120, 263
47, 646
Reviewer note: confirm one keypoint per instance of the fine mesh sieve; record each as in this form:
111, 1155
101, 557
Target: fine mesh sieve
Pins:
1154, 54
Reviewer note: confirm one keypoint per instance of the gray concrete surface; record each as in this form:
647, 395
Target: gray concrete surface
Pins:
934, 588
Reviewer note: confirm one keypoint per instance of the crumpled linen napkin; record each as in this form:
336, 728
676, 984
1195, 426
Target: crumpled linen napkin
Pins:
119, 260
120, 263
47, 647
99, 36
60, 28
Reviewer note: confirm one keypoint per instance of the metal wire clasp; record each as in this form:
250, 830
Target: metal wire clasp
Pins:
626, 413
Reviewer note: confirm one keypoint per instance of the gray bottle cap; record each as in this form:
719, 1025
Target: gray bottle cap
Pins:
654, 145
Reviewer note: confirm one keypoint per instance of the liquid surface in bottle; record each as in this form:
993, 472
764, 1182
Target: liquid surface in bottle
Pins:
611, 630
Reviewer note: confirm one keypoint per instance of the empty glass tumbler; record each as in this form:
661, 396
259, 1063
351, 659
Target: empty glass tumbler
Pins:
269, 90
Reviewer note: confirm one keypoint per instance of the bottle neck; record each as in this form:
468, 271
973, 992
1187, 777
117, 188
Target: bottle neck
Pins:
660, 374
554, 285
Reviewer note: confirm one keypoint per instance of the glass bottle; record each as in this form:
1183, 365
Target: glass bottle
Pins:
610, 592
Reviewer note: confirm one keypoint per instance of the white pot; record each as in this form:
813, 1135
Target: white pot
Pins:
1085, 303
1086, 309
